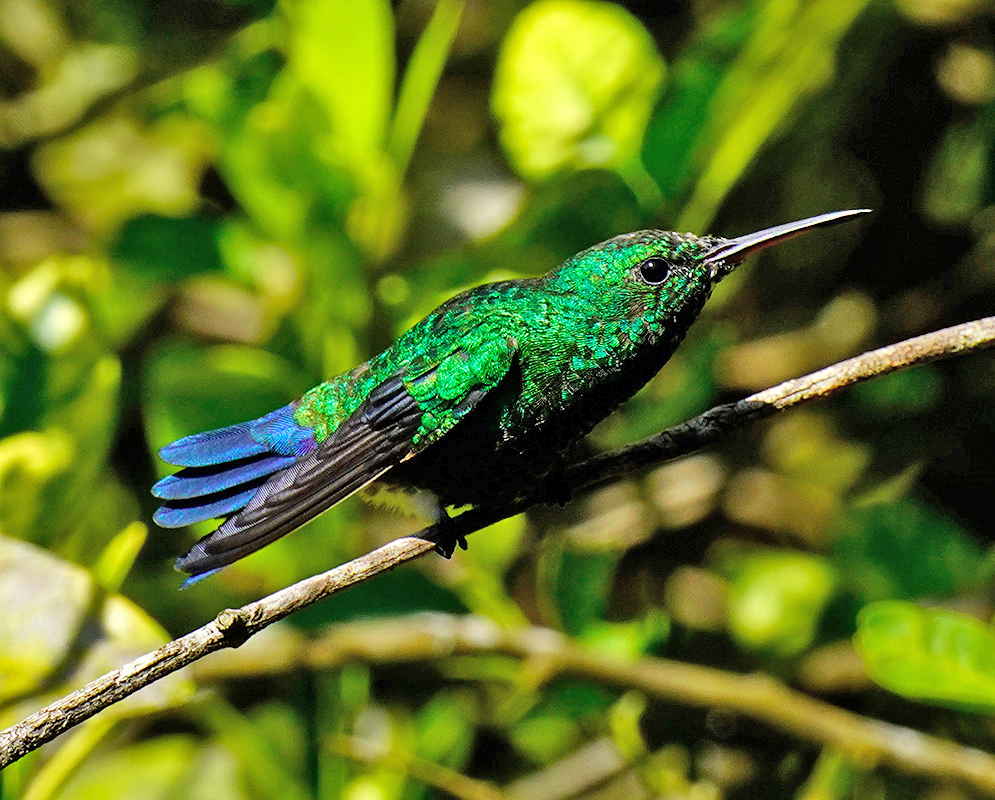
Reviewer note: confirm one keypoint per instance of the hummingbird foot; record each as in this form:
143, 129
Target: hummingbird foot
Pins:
447, 536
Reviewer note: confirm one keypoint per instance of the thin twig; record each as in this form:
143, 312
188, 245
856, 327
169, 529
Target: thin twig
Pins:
233, 626
423, 637
420, 769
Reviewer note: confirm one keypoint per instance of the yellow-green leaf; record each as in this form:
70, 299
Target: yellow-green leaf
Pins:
574, 87
929, 654
776, 598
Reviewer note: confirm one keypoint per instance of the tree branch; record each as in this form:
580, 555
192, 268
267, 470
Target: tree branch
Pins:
233, 626
422, 770
422, 637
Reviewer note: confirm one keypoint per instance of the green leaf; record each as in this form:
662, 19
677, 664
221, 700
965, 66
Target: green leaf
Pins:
679, 121
58, 631
556, 724
831, 779
776, 598
789, 56
420, 79
119, 167
145, 769
497, 546
168, 249
88, 413
904, 393
48, 604
581, 585
546, 737
445, 729
392, 594
56, 770
117, 558
624, 721
170, 765
905, 549
627, 640
574, 86
342, 51
264, 770
31, 464
955, 181
929, 654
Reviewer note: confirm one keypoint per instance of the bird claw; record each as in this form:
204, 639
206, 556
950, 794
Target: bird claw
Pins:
445, 547
447, 537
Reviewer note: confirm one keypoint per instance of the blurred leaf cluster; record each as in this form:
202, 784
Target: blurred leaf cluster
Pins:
211, 206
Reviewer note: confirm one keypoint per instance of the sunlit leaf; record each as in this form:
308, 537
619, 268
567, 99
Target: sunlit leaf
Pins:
49, 605
776, 598
624, 722
545, 738
117, 558
495, 547
929, 654
555, 725
117, 168
341, 57
420, 79
788, 57
29, 462
89, 416
574, 86
60, 630
343, 52
155, 768
627, 640
678, 123
832, 778
444, 728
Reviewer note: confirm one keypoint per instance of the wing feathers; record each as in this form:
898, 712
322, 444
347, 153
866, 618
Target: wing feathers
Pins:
377, 436
307, 478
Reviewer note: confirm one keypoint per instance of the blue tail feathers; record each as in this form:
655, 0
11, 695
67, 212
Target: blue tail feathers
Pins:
194, 482
213, 447
224, 468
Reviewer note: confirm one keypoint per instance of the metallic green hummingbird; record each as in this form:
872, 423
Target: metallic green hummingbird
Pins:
478, 403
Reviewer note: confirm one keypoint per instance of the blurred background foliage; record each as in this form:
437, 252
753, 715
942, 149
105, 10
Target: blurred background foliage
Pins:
210, 206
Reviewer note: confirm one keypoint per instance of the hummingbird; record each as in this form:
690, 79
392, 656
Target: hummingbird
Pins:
477, 404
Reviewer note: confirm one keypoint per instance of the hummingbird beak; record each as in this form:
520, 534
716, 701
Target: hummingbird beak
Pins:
727, 255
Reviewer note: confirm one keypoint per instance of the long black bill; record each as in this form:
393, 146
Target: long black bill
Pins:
726, 255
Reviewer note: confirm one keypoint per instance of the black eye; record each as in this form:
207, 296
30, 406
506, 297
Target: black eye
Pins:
654, 270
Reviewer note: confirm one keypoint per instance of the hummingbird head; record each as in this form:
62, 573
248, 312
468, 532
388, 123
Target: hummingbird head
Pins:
659, 280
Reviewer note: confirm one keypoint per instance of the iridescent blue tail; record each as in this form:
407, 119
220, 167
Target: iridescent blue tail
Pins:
224, 468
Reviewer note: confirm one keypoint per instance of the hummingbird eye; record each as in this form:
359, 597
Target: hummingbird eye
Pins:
653, 271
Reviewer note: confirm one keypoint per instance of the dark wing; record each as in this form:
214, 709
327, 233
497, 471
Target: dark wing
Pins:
377, 436
384, 431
